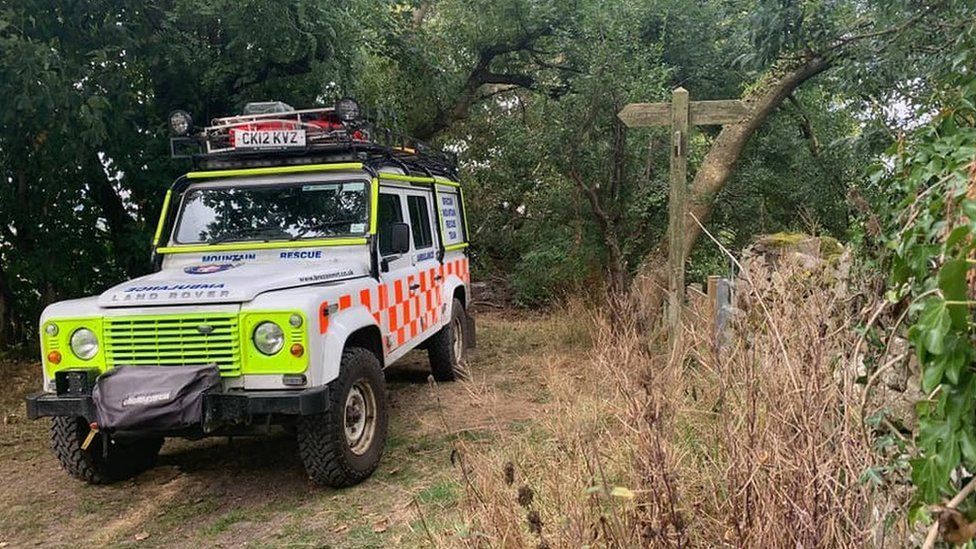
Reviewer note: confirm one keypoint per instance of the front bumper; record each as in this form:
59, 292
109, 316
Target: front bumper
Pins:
218, 407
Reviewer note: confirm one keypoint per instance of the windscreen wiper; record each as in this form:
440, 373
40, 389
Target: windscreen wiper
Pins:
322, 225
267, 231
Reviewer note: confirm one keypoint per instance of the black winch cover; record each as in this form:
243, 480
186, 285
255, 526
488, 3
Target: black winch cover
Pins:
152, 398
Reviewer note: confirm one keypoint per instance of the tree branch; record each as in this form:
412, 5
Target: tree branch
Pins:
806, 127
481, 74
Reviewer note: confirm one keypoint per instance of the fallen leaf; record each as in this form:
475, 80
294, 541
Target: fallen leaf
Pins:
380, 527
340, 529
956, 529
141, 536
621, 492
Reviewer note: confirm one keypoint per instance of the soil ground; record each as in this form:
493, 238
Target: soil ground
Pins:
220, 492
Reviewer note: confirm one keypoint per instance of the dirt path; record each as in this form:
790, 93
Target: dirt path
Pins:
221, 492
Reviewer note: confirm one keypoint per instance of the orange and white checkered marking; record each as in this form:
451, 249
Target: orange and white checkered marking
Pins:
409, 312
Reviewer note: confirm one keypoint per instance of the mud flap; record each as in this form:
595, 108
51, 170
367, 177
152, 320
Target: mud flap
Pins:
469, 332
152, 398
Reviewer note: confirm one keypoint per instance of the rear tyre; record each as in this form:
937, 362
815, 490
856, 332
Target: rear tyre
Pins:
446, 348
343, 446
105, 460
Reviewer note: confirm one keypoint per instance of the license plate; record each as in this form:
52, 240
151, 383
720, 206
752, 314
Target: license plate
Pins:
268, 139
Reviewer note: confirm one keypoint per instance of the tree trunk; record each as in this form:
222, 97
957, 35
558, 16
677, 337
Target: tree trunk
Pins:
123, 228
6, 322
650, 283
616, 274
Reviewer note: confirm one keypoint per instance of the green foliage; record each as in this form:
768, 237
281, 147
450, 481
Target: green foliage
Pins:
930, 179
85, 88
526, 91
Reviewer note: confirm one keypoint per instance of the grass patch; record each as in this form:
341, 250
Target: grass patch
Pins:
183, 512
226, 521
89, 506
26, 520
442, 494
363, 537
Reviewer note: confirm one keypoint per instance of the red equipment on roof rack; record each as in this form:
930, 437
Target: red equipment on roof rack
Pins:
273, 133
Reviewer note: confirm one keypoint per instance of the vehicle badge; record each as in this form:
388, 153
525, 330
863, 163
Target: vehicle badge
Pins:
205, 329
208, 269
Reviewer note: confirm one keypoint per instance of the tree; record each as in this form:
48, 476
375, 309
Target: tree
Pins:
85, 88
819, 41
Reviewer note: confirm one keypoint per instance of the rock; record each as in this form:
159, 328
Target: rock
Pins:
896, 376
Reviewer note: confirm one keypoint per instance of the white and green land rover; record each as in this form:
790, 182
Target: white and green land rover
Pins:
309, 250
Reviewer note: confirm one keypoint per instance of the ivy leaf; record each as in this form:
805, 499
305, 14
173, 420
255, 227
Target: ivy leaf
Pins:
967, 444
954, 364
919, 512
930, 475
969, 208
956, 236
952, 282
955, 359
933, 325
932, 375
873, 476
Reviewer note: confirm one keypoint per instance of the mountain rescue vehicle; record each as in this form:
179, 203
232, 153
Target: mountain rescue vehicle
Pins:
306, 252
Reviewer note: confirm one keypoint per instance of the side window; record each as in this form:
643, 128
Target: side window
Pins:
389, 213
452, 215
420, 222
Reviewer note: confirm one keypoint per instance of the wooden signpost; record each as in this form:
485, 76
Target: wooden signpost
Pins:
680, 114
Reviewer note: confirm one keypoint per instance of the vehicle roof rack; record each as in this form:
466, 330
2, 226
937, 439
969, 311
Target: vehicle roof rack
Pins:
335, 134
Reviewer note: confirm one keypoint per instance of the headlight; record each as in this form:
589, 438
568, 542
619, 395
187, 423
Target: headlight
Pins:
84, 344
347, 109
268, 338
180, 122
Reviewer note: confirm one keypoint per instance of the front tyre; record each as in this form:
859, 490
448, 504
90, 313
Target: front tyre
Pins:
342, 446
446, 348
105, 460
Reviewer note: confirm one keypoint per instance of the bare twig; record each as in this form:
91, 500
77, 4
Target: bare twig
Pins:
745, 274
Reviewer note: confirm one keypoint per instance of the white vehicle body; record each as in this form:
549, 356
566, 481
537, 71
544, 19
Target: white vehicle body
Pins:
333, 285
312, 252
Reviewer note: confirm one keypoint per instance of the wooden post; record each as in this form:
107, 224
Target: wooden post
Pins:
680, 114
676, 212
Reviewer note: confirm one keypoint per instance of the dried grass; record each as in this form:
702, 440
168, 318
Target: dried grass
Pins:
754, 443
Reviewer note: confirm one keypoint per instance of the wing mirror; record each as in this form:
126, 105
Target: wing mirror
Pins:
399, 238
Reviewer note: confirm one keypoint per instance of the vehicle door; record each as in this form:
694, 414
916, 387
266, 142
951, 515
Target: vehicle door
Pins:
426, 290
397, 272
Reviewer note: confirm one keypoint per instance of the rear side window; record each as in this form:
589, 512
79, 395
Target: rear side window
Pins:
420, 222
451, 215
389, 212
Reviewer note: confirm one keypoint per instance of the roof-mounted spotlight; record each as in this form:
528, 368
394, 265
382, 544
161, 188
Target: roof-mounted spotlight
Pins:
347, 109
180, 122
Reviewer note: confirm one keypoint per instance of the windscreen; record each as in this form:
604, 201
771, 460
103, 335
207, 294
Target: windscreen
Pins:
273, 212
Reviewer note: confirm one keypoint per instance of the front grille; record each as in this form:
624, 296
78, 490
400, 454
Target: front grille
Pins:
174, 341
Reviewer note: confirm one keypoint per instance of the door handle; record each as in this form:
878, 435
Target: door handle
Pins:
414, 287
